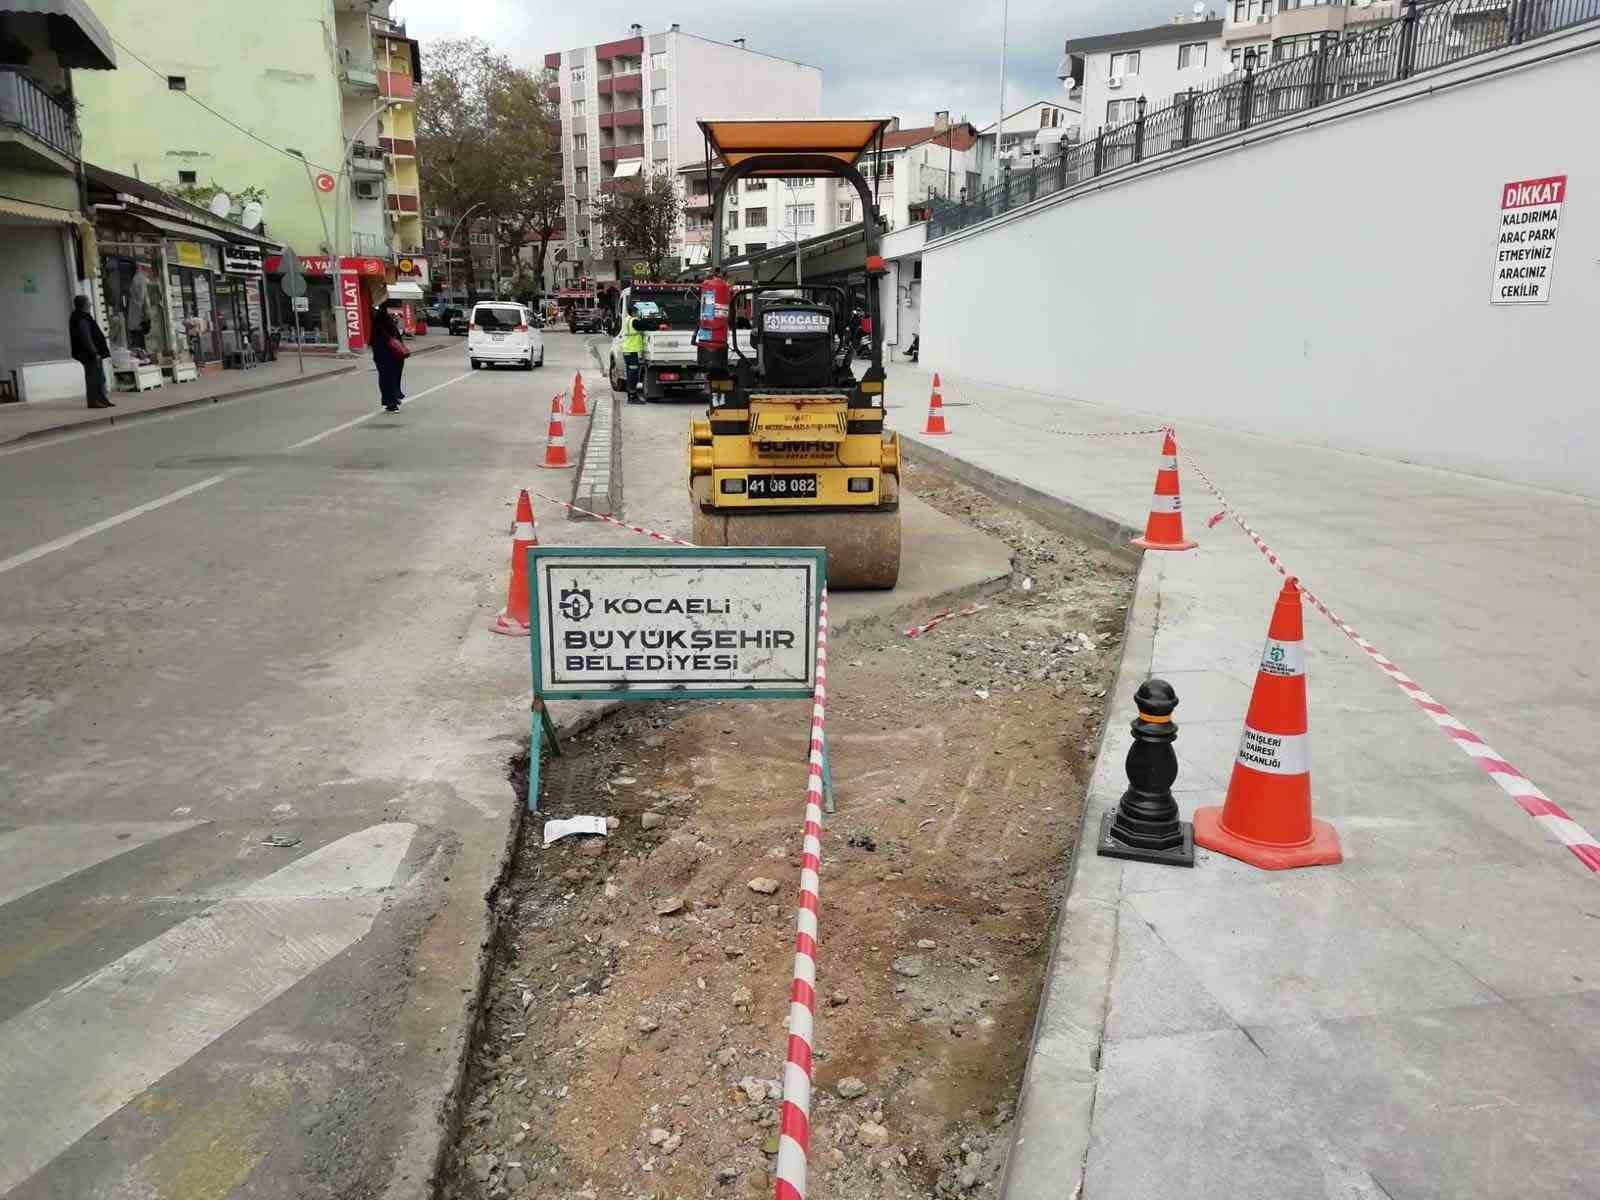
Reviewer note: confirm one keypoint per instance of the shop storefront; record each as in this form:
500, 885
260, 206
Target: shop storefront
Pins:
241, 306
408, 288
343, 289
191, 270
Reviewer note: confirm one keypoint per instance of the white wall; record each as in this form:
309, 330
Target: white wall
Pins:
33, 324
713, 80
1354, 311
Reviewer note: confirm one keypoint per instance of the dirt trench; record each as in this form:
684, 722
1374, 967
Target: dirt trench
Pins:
633, 1043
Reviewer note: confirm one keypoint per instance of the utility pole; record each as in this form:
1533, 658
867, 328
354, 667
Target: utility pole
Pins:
1000, 125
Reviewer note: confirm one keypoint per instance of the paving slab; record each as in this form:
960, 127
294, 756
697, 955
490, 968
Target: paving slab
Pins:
1418, 1021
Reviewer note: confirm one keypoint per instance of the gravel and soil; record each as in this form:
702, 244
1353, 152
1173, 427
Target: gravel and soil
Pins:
633, 1040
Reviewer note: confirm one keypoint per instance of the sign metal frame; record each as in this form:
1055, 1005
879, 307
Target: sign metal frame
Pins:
542, 726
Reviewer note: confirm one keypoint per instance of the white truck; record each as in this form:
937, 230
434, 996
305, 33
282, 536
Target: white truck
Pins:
667, 314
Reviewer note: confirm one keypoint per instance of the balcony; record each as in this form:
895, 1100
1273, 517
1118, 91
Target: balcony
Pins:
553, 93
399, 147
36, 122
405, 203
698, 202
621, 83
626, 48
623, 119
618, 153
358, 74
366, 162
396, 85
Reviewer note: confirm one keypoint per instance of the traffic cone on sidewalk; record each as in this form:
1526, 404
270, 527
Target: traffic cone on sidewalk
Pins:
935, 410
555, 450
1164, 528
579, 408
513, 619
1266, 818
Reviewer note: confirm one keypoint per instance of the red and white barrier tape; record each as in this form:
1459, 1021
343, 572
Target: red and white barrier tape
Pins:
640, 529
1545, 811
941, 618
794, 1130
1109, 433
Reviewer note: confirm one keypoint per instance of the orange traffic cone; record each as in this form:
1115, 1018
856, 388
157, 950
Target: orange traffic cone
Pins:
1164, 528
935, 410
1266, 819
513, 618
555, 450
579, 408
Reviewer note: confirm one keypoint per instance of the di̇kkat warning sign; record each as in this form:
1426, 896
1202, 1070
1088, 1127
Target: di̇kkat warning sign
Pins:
1525, 256
673, 621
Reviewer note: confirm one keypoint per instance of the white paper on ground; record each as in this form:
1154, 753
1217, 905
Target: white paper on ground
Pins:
554, 831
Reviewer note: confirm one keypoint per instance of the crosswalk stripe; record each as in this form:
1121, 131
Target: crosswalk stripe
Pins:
36, 856
82, 1054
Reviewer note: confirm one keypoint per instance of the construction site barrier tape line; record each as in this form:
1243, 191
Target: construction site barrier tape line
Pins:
639, 529
940, 618
794, 1129
1545, 811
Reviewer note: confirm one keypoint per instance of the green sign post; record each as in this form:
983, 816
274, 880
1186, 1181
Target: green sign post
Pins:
672, 623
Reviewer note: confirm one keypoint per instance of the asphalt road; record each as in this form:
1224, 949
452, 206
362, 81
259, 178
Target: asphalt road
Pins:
262, 620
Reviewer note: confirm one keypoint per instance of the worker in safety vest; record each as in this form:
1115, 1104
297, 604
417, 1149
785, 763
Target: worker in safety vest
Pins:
632, 348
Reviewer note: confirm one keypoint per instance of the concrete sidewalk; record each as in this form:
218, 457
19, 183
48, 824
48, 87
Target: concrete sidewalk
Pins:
22, 422
1420, 1021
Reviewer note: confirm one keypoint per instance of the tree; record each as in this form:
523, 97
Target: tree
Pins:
200, 195
487, 134
641, 218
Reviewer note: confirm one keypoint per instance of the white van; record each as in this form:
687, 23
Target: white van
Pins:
503, 331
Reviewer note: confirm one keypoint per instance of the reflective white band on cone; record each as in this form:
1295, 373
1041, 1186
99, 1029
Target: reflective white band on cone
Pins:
1166, 504
1275, 753
524, 533
1283, 658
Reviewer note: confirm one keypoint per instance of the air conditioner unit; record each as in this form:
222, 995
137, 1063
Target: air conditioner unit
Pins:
368, 190
1114, 82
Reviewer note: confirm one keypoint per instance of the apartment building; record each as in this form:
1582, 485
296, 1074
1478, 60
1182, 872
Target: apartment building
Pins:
630, 108
760, 214
1031, 133
1280, 30
326, 88
1113, 71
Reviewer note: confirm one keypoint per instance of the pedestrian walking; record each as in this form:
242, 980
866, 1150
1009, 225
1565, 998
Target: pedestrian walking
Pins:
389, 355
89, 347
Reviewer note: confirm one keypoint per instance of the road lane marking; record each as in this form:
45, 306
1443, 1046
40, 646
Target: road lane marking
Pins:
361, 420
82, 1054
88, 531
72, 539
36, 856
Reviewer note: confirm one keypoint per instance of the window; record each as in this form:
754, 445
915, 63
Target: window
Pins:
187, 177
1125, 64
659, 132
847, 212
799, 185
658, 61
580, 108
1191, 54
1263, 55
1120, 112
755, 218
733, 218
755, 185
178, 83
755, 247
581, 176
480, 238
579, 74
1296, 47
800, 215
580, 143
658, 97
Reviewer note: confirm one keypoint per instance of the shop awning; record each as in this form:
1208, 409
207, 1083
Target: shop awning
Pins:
38, 212
404, 291
76, 34
187, 233
628, 168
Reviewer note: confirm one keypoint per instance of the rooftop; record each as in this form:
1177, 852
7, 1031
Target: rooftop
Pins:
1156, 35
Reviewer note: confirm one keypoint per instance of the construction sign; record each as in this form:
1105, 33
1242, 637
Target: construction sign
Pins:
1525, 255
659, 623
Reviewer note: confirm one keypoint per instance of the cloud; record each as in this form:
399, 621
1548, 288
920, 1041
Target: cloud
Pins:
904, 60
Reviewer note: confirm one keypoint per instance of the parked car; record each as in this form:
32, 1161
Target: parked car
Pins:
442, 314
502, 331
459, 323
590, 318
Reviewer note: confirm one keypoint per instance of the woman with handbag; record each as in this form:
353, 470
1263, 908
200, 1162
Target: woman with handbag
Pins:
389, 355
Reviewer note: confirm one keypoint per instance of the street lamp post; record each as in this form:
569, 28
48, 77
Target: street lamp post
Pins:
450, 244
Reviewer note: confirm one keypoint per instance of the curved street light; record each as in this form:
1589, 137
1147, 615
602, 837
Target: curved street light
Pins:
449, 246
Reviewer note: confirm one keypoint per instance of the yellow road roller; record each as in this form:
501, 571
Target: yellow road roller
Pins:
792, 451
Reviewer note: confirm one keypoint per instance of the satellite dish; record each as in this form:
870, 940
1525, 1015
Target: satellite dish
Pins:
221, 204
251, 216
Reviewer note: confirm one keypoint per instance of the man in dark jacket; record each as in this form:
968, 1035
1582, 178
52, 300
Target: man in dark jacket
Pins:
89, 347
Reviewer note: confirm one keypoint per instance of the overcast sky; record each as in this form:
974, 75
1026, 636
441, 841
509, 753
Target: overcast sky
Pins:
881, 59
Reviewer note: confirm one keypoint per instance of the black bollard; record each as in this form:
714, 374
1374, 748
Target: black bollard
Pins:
1145, 826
